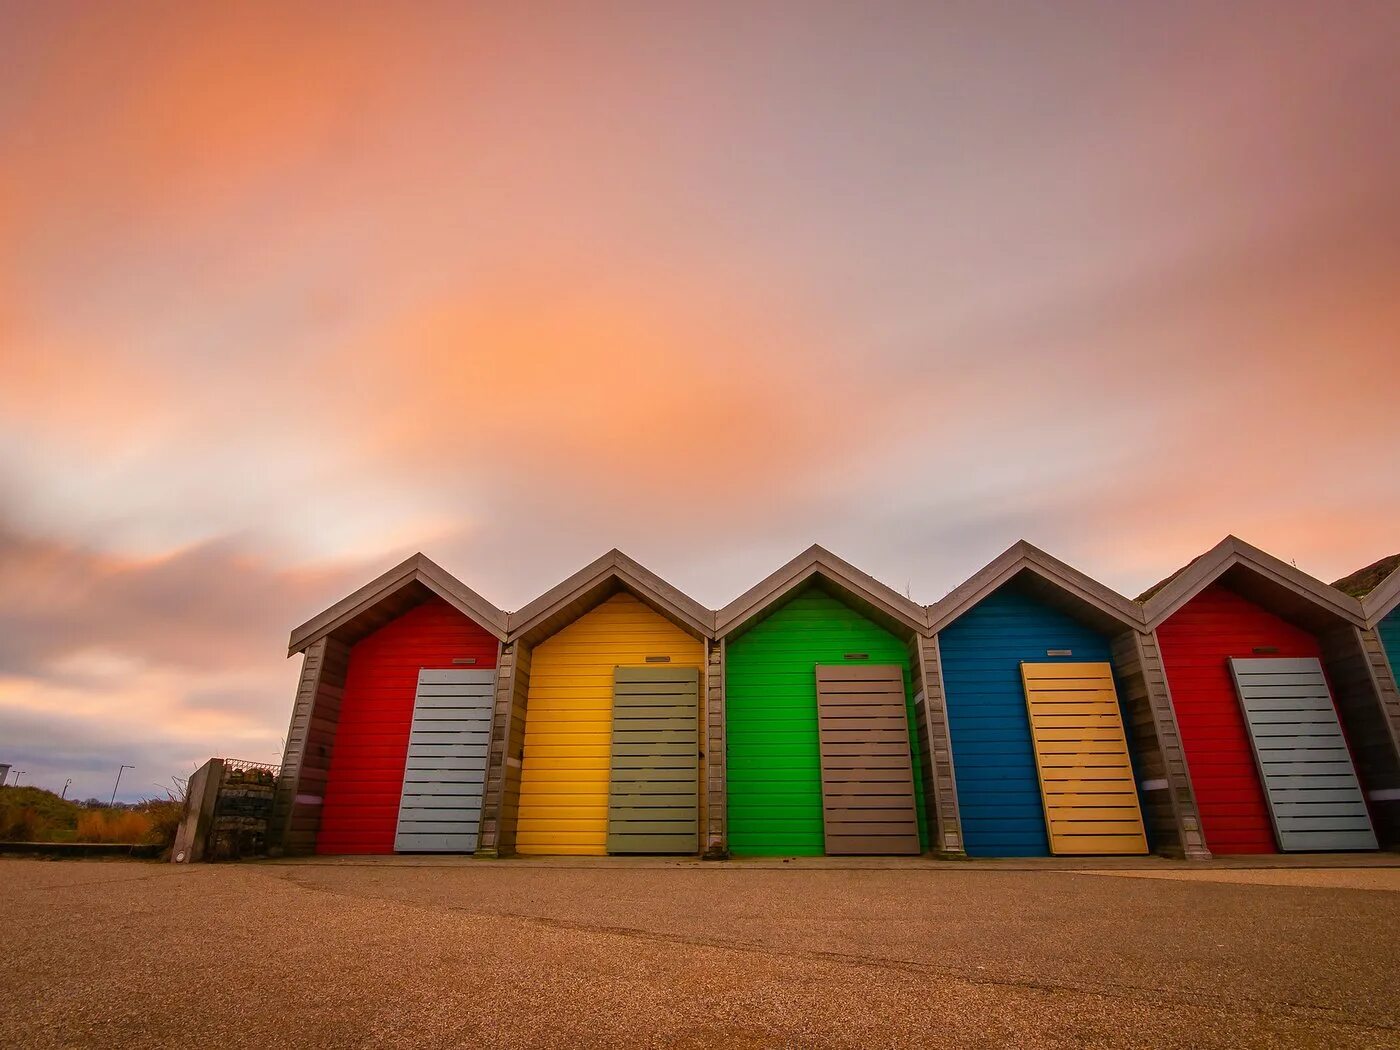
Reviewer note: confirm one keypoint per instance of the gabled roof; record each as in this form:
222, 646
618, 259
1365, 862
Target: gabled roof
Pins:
1381, 602
1258, 576
884, 604
1060, 584
1378, 588
594, 584
407, 584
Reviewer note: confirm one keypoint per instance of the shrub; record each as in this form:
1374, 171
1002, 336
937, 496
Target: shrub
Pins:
113, 825
164, 815
22, 824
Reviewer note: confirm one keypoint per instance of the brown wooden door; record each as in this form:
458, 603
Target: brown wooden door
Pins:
868, 802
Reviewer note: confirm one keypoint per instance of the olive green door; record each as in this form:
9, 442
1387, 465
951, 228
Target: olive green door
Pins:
653, 792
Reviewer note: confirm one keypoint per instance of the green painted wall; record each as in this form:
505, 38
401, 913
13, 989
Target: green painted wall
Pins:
773, 761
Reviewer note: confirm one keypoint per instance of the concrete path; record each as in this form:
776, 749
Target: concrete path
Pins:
367, 953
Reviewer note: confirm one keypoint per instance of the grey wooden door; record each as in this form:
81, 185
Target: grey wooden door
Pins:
440, 806
1315, 800
653, 791
868, 802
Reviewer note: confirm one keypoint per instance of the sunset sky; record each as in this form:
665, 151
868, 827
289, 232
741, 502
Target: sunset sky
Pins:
290, 292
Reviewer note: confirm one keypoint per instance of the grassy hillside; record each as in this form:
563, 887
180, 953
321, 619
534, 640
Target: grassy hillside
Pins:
1363, 581
31, 814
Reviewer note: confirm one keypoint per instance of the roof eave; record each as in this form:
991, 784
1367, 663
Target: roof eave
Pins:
1232, 551
1023, 556
632, 576
817, 561
418, 568
1382, 601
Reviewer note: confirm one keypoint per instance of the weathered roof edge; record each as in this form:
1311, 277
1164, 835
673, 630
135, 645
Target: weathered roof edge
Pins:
1383, 599
1231, 551
1026, 556
632, 575
817, 560
416, 569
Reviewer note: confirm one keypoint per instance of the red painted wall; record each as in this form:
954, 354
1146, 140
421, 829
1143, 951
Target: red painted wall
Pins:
1196, 641
361, 807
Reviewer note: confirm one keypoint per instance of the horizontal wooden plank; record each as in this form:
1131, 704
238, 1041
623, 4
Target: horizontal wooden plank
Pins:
435, 843
629, 842
872, 845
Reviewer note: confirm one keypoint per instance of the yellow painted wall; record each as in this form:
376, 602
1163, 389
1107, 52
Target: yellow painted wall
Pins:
568, 721
1081, 754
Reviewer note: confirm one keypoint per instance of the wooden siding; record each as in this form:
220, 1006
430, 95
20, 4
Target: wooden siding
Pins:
1197, 642
1315, 800
371, 741
1168, 800
999, 797
934, 745
714, 820
1363, 687
1378, 749
1379, 753
563, 806
1081, 757
301, 788
501, 806
654, 778
868, 797
445, 773
773, 759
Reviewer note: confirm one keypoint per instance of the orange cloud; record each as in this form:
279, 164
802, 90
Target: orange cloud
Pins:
629, 392
143, 108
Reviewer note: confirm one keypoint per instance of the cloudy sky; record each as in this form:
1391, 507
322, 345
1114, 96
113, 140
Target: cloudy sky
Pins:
288, 293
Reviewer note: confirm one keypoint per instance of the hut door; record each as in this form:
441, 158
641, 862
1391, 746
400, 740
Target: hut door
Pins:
653, 795
867, 777
1081, 757
440, 806
1314, 798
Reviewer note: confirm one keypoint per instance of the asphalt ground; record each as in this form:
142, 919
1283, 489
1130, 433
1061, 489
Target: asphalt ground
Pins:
511, 953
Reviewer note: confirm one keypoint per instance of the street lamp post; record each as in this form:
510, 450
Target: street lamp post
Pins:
18, 773
66, 784
119, 780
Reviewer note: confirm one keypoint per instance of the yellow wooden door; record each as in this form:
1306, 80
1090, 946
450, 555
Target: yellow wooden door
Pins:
1081, 756
568, 720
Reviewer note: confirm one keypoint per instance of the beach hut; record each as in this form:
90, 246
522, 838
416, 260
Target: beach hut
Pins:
1062, 735
1377, 587
388, 740
1382, 610
821, 669
1273, 690
600, 722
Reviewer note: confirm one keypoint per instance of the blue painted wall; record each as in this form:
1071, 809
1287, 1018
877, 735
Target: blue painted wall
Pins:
993, 763
1389, 630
